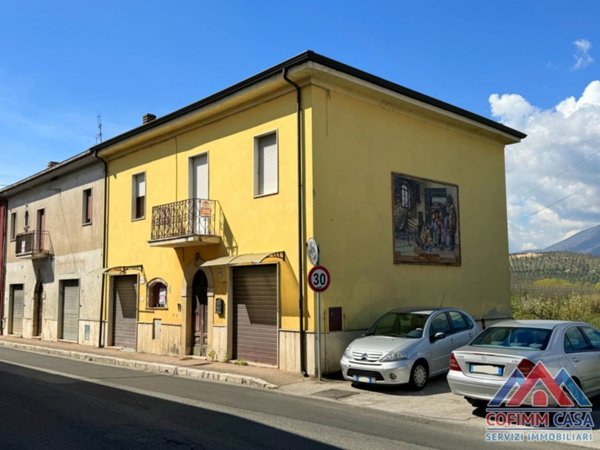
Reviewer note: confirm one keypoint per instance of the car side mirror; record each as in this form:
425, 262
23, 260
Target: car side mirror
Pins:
437, 336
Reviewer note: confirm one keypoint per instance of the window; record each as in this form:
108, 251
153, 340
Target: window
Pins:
13, 226
458, 321
139, 196
87, 207
439, 324
157, 293
574, 341
405, 198
536, 338
265, 165
593, 337
26, 220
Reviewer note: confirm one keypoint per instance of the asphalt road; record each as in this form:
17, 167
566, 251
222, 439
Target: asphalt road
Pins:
55, 403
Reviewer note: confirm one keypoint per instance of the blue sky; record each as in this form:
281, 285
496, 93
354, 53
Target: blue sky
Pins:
64, 62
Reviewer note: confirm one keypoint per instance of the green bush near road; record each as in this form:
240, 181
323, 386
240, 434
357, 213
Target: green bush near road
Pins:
575, 307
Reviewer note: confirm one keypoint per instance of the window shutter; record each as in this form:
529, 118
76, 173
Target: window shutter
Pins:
267, 165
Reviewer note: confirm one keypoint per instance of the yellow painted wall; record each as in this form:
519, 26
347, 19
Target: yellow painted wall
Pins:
253, 225
358, 144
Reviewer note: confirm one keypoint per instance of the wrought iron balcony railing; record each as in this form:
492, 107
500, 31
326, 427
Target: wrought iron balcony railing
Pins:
191, 218
33, 244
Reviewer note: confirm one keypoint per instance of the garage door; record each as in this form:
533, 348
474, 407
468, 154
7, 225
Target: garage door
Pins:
255, 313
17, 310
70, 310
124, 311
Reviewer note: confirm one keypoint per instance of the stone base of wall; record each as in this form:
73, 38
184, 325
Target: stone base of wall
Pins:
219, 343
289, 351
93, 329
167, 340
332, 347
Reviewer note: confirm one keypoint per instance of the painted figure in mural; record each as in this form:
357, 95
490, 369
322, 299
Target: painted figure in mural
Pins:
426, 241
452, 221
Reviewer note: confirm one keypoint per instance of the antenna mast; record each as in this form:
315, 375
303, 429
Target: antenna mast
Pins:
99, 133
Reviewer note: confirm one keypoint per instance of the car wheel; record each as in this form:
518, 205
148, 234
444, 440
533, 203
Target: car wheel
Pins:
419, 375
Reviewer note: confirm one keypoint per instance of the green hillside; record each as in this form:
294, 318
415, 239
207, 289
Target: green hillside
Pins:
555, 268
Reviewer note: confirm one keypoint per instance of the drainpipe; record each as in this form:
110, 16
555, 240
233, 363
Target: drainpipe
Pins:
104, 246
300, 223
3, 249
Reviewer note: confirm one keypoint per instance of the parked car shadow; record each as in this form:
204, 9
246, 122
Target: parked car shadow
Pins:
436, 385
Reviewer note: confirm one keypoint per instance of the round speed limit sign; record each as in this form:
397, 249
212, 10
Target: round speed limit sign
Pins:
319, 278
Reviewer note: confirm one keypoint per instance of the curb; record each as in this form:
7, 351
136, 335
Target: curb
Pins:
164, 369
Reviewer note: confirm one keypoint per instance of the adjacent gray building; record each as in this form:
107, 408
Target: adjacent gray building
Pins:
54, 254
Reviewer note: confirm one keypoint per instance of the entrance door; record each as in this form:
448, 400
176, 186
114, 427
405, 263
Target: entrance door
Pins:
38, 309
199, 188
199, 314
17, 310
125, 311
70, 310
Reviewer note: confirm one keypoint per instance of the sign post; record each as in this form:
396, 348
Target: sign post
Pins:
318, 280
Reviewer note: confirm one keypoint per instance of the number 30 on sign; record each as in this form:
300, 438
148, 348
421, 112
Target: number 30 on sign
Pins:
319, 278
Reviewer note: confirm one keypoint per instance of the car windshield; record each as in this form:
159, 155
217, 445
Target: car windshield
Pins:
513, 337
399, 324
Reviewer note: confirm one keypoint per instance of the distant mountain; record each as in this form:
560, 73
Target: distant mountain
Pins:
586, 241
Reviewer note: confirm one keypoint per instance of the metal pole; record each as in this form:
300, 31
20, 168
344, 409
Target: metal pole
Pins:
318, 335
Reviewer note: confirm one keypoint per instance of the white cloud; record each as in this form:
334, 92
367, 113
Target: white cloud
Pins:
582, 56
553, 176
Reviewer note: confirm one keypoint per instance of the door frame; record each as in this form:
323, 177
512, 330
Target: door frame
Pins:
110, 319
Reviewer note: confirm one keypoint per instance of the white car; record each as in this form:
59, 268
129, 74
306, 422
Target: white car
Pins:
478, 370
407, 345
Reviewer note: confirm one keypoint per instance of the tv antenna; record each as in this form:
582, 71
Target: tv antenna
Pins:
99, 133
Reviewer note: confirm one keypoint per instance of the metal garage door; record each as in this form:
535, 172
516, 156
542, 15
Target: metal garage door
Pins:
124, 311
70, 310
255, 313
17, 310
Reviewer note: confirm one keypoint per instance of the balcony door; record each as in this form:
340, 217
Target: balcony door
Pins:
199, 192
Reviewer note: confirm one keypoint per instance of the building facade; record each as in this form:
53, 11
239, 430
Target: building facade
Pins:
54, 254
209, 209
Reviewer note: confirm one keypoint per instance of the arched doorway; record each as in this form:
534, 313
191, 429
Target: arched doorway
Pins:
38, 310
199, 315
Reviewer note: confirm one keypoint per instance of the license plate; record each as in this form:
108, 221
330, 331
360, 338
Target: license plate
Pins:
486, 369
363, 379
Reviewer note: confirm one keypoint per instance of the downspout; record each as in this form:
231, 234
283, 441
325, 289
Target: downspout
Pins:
104, 246
3, 249
300, 223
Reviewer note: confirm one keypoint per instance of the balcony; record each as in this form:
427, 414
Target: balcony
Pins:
33, 245
186, 223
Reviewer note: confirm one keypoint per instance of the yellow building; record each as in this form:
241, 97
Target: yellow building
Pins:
209, 209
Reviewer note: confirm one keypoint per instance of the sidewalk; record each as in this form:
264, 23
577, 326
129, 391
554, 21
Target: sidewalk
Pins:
191, 367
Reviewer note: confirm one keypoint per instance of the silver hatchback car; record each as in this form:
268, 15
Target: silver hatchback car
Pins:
407, 345
478, 370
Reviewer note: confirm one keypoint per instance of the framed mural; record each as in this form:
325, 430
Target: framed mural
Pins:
426, 221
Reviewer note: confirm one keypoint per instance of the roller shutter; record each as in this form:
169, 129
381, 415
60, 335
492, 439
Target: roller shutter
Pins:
17, 310
255, 313
70, 310
124, 311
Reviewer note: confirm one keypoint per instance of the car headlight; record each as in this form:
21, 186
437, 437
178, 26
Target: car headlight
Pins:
348, 353
395, 355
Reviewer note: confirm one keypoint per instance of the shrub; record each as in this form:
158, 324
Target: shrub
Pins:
575, 307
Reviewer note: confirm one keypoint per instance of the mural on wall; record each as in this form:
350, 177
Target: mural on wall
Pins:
425, 221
